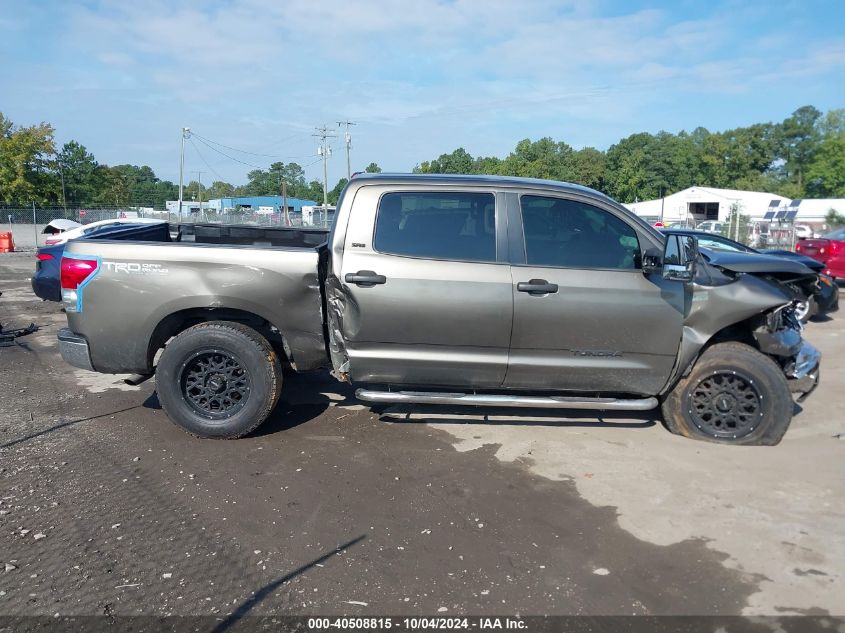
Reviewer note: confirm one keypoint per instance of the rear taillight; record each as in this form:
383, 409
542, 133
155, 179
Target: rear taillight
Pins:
75, 274
44, 257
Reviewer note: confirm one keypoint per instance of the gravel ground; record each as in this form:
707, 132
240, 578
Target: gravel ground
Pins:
332, 508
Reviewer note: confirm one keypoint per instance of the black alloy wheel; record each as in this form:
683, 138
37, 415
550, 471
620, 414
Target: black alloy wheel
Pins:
215, 384
726, 404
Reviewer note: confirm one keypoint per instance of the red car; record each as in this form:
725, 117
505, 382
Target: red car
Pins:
829, 250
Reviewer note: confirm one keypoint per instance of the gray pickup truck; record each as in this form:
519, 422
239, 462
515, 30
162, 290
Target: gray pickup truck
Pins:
453, 290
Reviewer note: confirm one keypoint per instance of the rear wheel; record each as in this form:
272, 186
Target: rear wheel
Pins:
218, 379
733, 395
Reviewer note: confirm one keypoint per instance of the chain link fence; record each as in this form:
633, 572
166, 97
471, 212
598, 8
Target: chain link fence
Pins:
27, 225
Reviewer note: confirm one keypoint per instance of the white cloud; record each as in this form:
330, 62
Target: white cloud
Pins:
435, 73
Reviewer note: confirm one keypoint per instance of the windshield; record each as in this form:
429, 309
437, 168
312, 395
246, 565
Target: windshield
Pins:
718, 245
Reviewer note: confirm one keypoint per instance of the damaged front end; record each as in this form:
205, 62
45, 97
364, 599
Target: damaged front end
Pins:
778, 334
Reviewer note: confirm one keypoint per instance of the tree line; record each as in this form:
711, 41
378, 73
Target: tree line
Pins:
802, 156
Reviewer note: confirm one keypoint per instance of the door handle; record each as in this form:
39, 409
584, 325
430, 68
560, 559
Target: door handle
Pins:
365, 278
536, 287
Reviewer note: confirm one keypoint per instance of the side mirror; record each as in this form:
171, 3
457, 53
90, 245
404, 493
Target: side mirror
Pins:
680, 253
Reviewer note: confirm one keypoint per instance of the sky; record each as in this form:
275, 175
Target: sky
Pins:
253, 78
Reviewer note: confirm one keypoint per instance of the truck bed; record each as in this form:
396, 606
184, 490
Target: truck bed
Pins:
246, 235
204, 270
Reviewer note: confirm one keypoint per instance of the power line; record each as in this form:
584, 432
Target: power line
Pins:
286, 138
243, 151
222, 153
199, 153
237, 160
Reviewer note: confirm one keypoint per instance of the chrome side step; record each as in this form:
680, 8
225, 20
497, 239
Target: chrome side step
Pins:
496, 400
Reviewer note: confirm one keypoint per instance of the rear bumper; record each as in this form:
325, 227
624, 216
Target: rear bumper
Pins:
74, 349
803, 372
46, 287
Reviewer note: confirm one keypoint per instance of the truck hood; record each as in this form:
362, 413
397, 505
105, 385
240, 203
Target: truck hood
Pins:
754, 263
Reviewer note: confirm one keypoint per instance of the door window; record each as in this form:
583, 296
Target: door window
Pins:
573, 234
455, 226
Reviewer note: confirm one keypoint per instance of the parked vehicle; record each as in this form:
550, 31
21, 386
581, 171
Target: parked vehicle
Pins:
45, 281
828, 249
88, 229
815, 296
710, 226
457, 290
802, 231
59, 225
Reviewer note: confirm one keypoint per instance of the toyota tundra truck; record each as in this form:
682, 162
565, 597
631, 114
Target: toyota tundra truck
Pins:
449, 290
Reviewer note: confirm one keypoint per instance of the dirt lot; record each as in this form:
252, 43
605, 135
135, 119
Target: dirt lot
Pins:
332, 508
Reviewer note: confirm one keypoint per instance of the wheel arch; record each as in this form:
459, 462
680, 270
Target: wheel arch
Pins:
179, 321
692, 347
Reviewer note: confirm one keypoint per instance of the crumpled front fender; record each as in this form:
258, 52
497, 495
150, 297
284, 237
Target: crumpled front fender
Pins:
710, 309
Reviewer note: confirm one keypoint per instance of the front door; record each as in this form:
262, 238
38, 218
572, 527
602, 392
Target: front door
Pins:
426, 291
586, 318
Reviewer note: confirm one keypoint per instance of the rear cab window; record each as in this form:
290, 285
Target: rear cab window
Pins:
448, 225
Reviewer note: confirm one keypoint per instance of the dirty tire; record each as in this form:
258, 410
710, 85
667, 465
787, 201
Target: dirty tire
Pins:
218, 379
733, 395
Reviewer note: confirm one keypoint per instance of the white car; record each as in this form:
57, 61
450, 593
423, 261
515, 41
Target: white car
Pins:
802, 231
710, 226
80, 231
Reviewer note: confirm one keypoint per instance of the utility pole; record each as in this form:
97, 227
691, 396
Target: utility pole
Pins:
64, 196
348, 138
186, 133
285, 201
199, 189
323, 134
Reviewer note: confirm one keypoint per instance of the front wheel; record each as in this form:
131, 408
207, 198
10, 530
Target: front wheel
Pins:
218, 379
733, 395
806, 309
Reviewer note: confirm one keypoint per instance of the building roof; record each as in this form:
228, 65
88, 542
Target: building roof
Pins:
753, 203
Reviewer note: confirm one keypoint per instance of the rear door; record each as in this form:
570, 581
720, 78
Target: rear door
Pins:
426, 288
586, 318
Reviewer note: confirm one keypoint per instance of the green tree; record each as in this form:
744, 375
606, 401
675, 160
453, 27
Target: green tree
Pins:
334, 194
834, 219
457, 162
116, 187
220, 189
268, 182
26, 172
826, 172
588, 167
799, 136
832, 123
486, 165
544, 158
81, 173
313, 191
372, 168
